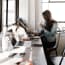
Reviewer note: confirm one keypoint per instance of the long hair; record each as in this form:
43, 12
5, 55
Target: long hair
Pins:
49, 21
21, 23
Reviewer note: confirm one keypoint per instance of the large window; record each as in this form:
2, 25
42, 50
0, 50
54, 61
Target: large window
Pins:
11, 12
57, 8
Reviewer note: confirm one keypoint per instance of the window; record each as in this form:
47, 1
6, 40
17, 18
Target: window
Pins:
57, 9
11, 12
4, 12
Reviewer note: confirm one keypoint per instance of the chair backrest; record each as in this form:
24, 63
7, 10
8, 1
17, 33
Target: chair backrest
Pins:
63, 51
57, 39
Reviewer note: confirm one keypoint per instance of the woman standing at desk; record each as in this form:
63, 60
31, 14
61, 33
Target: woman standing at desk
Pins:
48, 33
19, 34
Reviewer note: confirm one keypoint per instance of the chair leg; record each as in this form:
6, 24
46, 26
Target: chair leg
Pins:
56, 53
61, 60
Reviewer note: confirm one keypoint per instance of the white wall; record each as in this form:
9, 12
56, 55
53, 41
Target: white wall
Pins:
32, 13
23, 10
29, 10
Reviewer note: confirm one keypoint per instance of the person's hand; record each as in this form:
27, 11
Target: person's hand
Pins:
41, 25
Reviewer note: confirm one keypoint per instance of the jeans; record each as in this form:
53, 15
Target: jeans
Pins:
46, 45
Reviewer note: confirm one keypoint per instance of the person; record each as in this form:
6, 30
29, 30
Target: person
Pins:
48, 34
19, 34
27, 28
50, 29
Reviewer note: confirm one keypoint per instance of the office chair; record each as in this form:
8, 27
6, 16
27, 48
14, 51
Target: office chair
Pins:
57, 43
63, 54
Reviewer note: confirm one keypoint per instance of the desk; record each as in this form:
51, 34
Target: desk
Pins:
38, 54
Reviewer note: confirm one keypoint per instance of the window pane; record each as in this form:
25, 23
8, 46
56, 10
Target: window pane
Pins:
4, 4
4, 12
44, 6
11, 18
44, 0
11, 5
4, 18
11, 12
57, 10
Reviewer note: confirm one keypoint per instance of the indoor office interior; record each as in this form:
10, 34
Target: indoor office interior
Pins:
22, 19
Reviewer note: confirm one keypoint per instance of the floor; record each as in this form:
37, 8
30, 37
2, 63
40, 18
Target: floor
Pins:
61, 45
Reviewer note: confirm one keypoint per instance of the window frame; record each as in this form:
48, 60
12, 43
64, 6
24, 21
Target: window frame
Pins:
16, 11
58, 22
